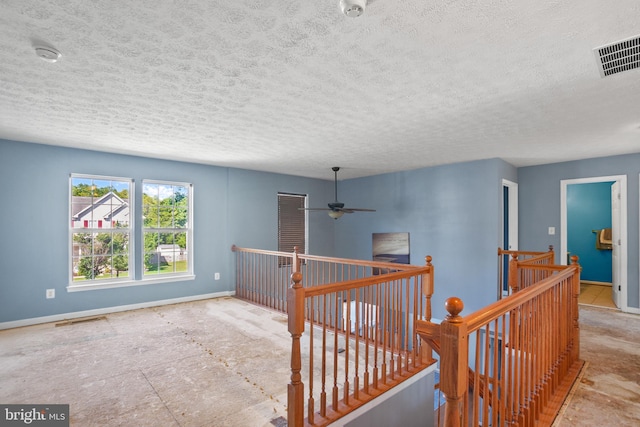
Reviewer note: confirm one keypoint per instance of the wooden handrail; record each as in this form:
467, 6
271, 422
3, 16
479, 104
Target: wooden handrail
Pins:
325, 259
360, 283
509, 281
491, 312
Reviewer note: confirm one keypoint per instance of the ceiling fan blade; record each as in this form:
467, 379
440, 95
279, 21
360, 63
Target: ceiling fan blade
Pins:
336, 208
359, 210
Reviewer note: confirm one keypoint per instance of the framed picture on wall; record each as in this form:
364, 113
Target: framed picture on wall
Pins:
391, 247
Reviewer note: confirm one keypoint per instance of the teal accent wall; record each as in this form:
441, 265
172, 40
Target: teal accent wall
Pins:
588, 209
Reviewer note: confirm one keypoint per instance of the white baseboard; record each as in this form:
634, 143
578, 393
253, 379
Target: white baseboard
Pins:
107, 310
631, 310
593, 282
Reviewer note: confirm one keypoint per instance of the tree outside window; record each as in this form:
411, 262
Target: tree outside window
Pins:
166, 228
100, 228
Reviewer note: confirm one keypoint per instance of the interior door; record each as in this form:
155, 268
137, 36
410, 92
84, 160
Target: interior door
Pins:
615, 247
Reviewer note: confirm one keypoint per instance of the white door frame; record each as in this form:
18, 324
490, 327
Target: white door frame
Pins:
622, 180
616, 288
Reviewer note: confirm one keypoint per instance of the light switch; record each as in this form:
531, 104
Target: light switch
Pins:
552, 231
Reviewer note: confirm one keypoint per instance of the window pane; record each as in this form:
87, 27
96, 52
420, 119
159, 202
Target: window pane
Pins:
150, 216
151, 264
120, 243
165, 216
100, 206
166, 208
181, 217
76, 269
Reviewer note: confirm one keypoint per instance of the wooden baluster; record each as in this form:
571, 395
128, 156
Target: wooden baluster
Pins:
325, 322
295, 389
575, 350
454, 362
311, 401
336, 328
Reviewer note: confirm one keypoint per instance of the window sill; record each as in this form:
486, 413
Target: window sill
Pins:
128, 283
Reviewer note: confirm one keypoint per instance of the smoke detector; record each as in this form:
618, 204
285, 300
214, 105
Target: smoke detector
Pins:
47, 53
353, 8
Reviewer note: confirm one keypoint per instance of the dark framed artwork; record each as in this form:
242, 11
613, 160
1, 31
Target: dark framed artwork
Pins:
391, 247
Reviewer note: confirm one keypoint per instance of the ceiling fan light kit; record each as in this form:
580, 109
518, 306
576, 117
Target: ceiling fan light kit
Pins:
336, 209
335, 214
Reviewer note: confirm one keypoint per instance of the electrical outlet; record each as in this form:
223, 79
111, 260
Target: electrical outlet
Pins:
216, 276
51, 293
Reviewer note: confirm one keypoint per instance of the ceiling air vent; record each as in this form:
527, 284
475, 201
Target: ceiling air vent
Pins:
619, 56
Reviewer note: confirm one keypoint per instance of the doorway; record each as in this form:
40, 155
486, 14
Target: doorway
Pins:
618, 199
509, 229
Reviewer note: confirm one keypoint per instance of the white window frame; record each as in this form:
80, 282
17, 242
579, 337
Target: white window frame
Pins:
177, 275
101, 283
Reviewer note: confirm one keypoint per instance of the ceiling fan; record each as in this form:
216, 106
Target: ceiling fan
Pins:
337, 209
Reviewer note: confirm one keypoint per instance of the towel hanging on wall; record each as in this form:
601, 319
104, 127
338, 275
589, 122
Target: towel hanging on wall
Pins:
603, 239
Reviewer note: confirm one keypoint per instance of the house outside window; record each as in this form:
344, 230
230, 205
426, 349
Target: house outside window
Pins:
292, 224
100, 229
167, 233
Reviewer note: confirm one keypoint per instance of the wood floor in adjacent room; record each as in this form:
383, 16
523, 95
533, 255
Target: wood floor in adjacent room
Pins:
224, 362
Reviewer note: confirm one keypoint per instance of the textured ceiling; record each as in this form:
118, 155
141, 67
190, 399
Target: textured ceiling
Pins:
296, 87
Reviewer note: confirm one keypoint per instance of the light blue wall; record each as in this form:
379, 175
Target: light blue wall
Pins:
539, 206
588, 209
451, 212
253, 209
230, 206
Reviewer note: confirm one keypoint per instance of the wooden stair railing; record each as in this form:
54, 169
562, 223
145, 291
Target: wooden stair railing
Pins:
524, 353
351, 324
359, 341
263, 276
509, 264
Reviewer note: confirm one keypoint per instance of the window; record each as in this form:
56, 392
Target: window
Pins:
292, 224
166, 212
100, 229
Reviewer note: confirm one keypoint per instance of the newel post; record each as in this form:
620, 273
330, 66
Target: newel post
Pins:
454, 355
426, 352
295, 311
513, 273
